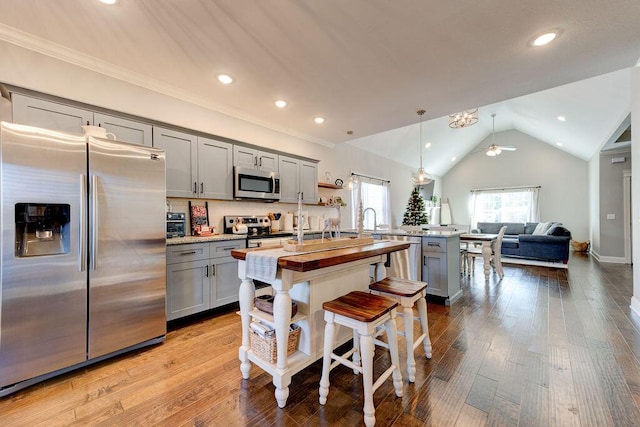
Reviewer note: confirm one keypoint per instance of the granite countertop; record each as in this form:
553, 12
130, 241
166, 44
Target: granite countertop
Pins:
201, 239
222, 237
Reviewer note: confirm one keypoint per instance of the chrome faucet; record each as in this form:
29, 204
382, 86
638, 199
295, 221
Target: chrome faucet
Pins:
375, 221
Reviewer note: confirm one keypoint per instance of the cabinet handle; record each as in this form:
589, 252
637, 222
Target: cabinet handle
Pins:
213, 270
206, 274
260, 165
188, 253
202, 188
230, 248
195, 188
255, 161
424, 261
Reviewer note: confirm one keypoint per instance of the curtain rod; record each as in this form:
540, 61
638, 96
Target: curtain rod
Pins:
370, 177
524, 187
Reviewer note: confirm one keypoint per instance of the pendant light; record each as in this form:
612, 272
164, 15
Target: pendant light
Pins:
421, 173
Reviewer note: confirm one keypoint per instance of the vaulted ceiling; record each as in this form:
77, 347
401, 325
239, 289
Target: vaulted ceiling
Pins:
364, 65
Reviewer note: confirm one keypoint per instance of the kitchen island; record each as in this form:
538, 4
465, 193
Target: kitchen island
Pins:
309, 279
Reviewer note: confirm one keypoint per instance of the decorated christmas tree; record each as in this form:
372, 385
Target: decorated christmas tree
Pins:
415, 214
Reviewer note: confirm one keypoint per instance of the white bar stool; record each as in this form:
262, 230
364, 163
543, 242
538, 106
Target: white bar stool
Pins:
361, 312
408, 293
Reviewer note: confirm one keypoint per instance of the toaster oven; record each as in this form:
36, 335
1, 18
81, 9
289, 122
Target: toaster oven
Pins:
176, 224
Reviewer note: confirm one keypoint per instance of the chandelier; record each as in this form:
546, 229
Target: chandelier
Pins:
421, 173
463, 118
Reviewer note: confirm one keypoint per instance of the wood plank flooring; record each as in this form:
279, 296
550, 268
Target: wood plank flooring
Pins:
542, 347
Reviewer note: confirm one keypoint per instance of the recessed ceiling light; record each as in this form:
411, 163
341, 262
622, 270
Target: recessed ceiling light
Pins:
559, 144
562, 118
319, 120
225, 79
544, 39
453, 159
109, 1
280, 103
427, 145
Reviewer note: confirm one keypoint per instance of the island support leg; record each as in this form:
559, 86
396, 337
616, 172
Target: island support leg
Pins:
246, 295
282, 319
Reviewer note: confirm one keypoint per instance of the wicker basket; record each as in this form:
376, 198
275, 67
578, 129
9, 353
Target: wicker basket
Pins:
580, 246
265, 347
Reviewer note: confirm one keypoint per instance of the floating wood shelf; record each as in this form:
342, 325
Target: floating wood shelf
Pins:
327, 185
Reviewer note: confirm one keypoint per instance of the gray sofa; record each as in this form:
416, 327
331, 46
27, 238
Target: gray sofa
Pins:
518, 240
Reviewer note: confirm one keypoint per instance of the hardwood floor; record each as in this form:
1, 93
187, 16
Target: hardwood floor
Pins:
542, 347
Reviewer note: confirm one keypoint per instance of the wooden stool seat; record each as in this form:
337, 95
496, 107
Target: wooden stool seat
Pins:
397, 286
360, 306
408, 293
363, 313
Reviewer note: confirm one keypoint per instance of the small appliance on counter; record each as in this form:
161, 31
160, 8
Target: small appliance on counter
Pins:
176, 224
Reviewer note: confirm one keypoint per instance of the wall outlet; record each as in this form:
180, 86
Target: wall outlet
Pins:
611, 216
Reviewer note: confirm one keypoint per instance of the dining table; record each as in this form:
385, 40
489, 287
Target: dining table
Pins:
309, 279
487, 241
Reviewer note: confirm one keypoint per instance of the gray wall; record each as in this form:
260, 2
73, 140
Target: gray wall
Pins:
563, 177
611, 242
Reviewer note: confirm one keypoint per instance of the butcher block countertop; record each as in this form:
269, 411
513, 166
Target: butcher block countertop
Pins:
327, 258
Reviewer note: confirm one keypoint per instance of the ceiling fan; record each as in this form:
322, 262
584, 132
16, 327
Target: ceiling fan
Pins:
495, 150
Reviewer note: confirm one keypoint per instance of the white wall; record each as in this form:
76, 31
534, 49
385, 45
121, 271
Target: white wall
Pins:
31, 70
594, 204
563, 178
635, 185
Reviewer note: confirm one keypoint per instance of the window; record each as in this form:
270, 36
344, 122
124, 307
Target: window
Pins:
374, 194
505, 205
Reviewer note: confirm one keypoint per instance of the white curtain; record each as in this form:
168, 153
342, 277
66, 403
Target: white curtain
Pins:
374, 194
521, 204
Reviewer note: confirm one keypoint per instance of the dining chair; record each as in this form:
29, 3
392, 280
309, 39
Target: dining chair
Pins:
496, 251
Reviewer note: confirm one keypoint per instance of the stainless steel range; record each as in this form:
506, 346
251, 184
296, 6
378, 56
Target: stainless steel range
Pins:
257, 228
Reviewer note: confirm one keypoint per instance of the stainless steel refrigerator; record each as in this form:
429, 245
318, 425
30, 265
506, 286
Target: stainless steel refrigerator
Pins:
82, 263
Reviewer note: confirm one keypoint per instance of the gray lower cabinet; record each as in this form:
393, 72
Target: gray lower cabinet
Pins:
224, 282
188, 287
441, 266
201, 276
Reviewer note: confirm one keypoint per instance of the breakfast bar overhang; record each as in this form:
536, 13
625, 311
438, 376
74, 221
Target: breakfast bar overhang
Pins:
310, 279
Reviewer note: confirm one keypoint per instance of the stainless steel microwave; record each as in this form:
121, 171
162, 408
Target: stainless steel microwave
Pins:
256, 184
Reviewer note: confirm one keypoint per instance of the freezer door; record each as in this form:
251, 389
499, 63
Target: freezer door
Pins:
127, 284
43, 276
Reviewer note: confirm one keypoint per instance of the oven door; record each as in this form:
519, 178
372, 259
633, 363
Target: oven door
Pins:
255, 184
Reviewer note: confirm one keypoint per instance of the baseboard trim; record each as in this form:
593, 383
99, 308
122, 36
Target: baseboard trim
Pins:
635, 305
523, 261
610, 259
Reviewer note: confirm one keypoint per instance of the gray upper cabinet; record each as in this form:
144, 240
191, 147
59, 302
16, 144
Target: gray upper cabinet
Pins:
125, 130
181, 161
298, 176
309, 182
196, 167
215, 169
251, 158
289, 179
49, 115
55, 116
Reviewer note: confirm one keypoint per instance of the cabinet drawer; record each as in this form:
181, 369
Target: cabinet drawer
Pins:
188, 252
224, 248
433, 244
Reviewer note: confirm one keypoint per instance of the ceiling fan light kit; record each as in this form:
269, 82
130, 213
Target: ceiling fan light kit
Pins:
495, 150
463, 118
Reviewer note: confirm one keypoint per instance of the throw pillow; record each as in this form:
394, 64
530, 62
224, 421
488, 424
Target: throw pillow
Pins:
541, 228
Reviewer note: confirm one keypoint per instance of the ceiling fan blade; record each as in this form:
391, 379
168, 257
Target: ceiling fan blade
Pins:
509, 148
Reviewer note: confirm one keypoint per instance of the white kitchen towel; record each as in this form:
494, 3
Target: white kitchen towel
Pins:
263, 265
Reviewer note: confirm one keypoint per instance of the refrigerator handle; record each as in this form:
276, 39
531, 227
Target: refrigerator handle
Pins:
82, 235
94, 222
